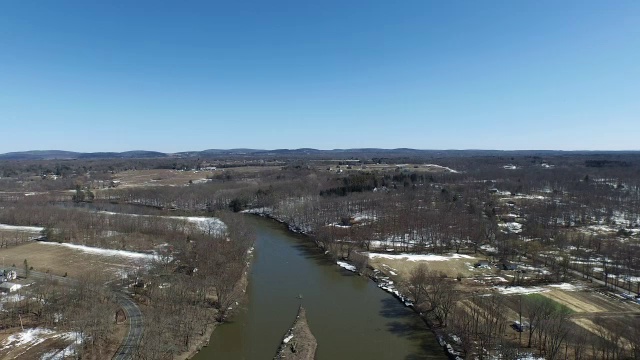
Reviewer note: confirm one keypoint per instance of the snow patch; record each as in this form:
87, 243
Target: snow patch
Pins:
417, 257
566, 287
21, 228
346, 265
287, 339
441, 167
104, 252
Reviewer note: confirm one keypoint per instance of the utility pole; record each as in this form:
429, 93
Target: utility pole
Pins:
521, 326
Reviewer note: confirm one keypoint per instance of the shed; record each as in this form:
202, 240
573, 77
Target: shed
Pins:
508, 265
121, 316
9, 287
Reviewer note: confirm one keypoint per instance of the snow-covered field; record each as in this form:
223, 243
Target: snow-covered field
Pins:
19, 343
21, 228
434, 166
417, 257
525, 290
104, 252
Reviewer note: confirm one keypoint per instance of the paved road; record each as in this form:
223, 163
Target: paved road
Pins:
136, 327
136, 322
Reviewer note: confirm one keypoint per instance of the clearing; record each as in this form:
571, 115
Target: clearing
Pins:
73, 260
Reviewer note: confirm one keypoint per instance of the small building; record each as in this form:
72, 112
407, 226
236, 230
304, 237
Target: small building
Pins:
520, 327
121, 316
508, 265
8, 287
9, 275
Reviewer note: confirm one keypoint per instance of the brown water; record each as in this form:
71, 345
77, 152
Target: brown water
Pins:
350, 317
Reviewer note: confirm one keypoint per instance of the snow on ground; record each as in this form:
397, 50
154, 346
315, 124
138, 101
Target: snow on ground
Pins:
566, 287
387, 285
529, 197
525, 290
21, 228
441, 167
416, 257
360, 217
206, 224
262, 210
60, 354
27, 337
489, 248
209, 225
287, 339
13, 298
103, 252
511, 227
512, 290
346, 265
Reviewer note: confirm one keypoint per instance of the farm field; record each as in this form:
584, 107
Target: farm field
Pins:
58, 260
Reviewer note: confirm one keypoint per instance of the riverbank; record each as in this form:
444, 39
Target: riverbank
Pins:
198, 343
203, 340
298, 343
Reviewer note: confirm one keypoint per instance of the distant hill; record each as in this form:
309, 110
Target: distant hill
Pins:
67, 155
293, 153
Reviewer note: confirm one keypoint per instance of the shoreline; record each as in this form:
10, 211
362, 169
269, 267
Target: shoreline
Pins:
203, 340
199, 343
298, 343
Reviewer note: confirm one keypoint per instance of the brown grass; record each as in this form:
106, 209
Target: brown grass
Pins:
59, 260
168, 177
451, 267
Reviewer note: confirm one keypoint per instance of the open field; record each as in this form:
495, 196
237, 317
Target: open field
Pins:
160, 177
59, 260
168, 177
451, 266
351, 167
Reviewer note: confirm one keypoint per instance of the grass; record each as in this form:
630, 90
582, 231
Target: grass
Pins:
59, 260
556, 305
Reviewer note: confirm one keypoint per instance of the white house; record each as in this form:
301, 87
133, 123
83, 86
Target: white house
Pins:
9, 287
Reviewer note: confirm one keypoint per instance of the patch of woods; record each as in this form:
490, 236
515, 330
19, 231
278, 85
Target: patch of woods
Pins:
84, 306
196, 289
486, 324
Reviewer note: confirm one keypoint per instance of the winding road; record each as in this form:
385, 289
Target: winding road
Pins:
135, 330
136, 327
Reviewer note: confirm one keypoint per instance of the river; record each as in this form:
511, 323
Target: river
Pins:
349, 315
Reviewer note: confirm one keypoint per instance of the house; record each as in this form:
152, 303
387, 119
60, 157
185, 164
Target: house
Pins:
8, 287
508, 265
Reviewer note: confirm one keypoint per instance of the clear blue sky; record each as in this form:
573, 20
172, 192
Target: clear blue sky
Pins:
190, 75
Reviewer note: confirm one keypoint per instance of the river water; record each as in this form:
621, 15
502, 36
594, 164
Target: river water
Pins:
350, 317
